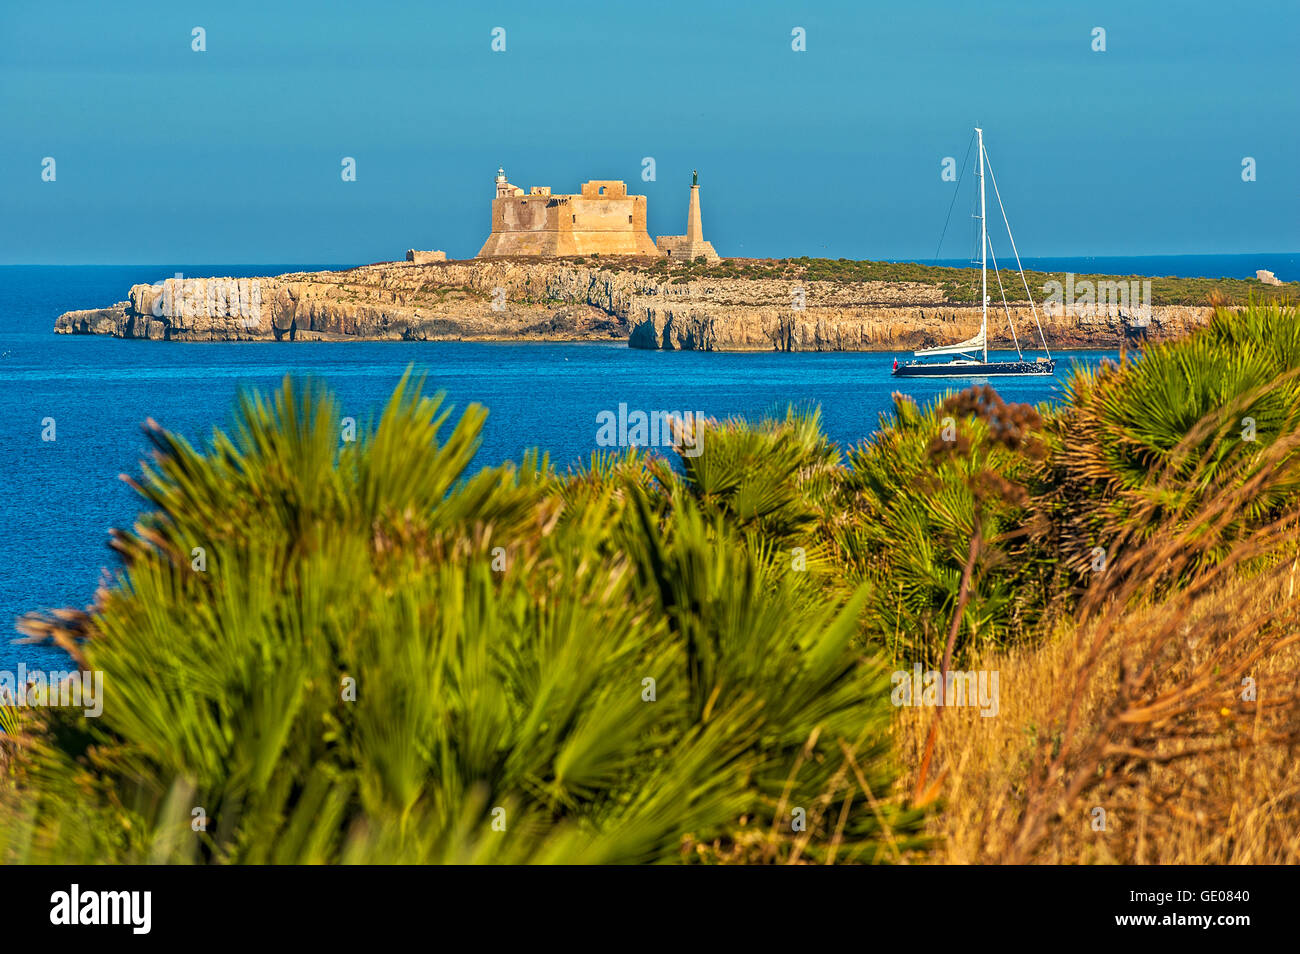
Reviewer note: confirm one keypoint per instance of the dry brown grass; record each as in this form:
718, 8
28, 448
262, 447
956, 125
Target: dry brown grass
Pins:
1141, 706
1237, 801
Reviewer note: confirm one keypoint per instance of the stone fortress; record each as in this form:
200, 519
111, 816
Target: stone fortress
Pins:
601, 220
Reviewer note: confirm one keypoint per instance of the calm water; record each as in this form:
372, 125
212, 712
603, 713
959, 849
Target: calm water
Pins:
64, 495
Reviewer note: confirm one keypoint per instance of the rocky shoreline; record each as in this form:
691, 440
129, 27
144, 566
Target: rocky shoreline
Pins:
570, 301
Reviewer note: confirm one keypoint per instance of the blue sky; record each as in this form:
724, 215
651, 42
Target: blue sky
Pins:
164, 154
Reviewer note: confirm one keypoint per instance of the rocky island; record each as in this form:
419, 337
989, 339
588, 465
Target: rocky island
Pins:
582, 267
734, 306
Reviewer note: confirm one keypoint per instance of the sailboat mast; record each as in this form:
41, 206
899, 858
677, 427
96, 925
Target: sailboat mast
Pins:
984, 250
965, 365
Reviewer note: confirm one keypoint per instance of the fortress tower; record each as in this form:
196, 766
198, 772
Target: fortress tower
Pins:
690, 246
603, 219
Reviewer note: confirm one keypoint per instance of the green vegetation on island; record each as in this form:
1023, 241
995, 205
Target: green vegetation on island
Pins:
961, 284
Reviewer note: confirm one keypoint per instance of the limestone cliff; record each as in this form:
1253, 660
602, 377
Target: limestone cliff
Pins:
569, 301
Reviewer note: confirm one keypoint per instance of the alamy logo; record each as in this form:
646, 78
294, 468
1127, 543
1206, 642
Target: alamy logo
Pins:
133, 908
919, 687
1087, 299
683, 431
77, 689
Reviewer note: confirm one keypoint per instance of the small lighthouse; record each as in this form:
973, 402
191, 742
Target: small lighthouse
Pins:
504, 188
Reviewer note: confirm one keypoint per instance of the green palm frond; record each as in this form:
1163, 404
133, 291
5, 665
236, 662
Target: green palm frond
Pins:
337, 651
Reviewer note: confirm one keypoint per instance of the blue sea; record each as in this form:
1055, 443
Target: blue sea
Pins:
64, 495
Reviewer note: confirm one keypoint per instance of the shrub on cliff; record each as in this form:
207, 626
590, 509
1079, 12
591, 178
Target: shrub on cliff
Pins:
316, 653
1137, 445
933, 487
1028, 510
936, 504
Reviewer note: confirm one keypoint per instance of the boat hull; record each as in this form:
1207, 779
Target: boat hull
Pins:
975, 369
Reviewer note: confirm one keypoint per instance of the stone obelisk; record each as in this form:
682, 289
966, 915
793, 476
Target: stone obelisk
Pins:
691, 246
694, 227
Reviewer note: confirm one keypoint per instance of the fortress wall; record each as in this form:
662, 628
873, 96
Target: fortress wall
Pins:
611, 188
551, 226
606, 215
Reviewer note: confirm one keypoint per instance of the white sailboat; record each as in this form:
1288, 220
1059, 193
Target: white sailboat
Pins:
966, 363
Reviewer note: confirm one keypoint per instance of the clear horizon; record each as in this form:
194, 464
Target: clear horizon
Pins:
948, 262
233, 154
